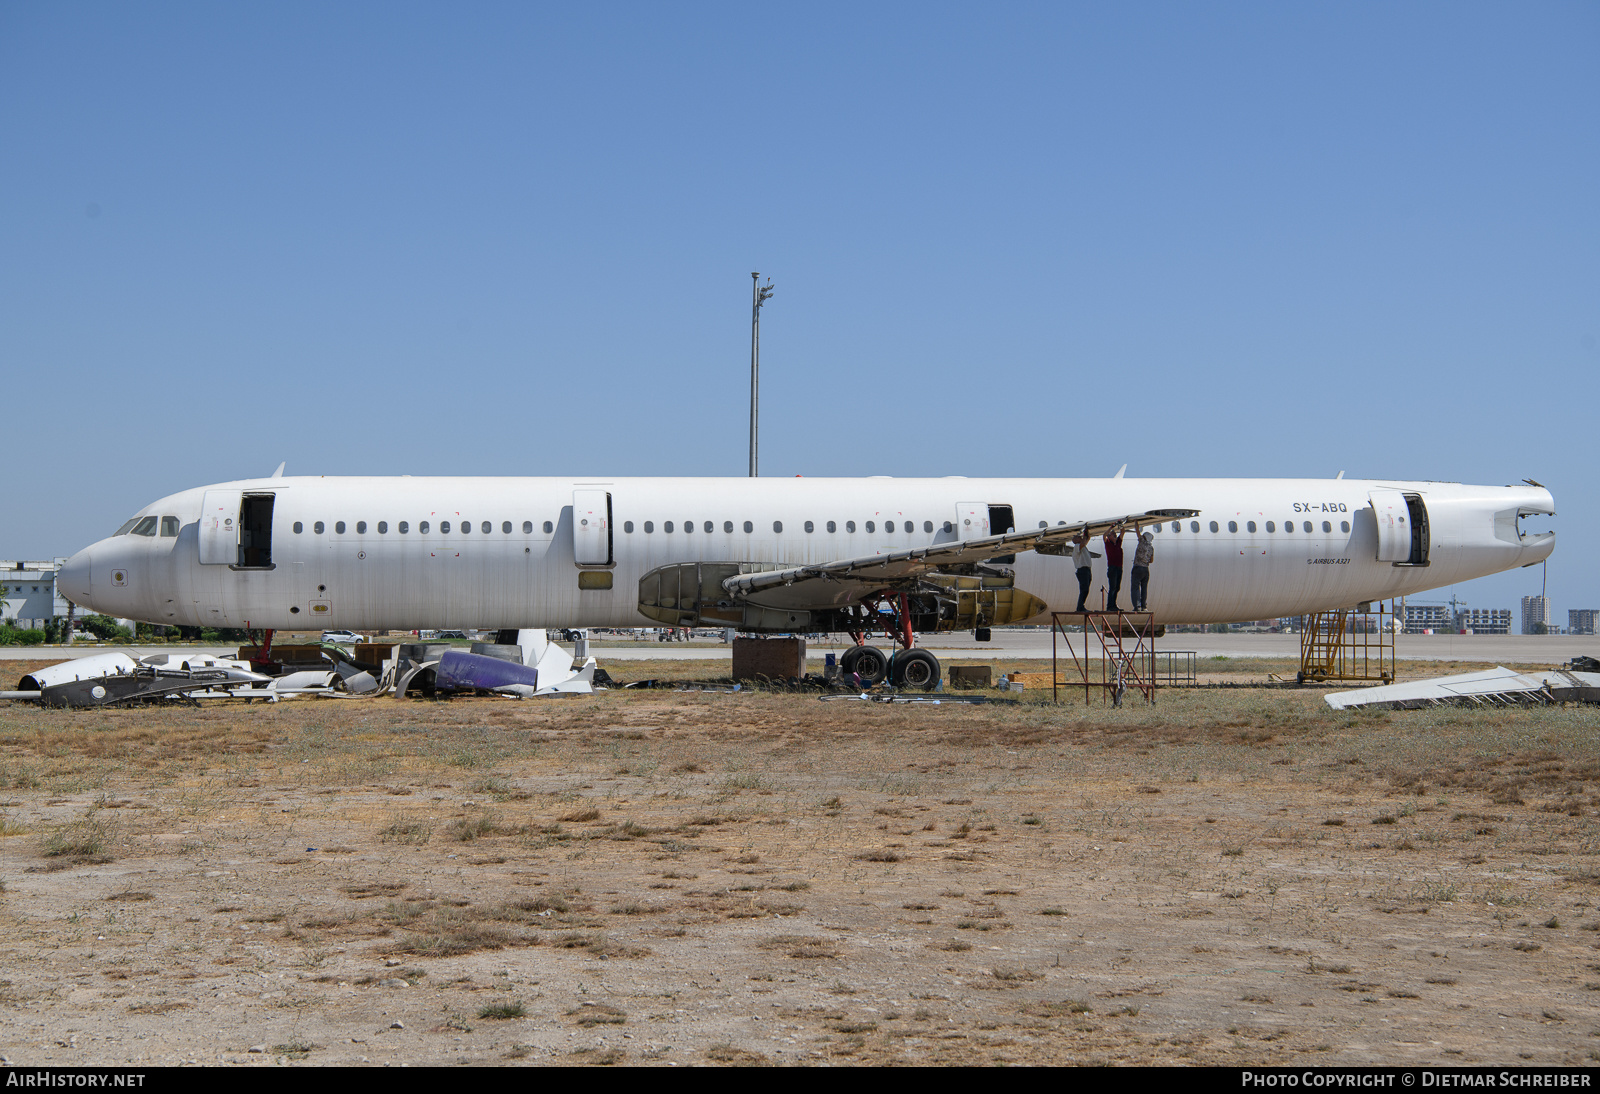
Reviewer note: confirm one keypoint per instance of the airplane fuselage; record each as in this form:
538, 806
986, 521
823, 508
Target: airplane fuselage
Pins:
405, 553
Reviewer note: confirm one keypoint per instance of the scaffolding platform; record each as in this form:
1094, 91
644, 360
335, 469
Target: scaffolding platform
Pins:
1350, 645
1126, 660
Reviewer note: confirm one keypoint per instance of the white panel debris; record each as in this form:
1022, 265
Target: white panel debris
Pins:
1498, 686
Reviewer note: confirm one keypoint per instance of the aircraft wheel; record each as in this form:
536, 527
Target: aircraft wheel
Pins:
869, 663
915, 669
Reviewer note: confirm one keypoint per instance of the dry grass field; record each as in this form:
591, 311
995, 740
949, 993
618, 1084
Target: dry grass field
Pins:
1230, 876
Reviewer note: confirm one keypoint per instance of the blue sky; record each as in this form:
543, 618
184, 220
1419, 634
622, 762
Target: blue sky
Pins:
1212, 240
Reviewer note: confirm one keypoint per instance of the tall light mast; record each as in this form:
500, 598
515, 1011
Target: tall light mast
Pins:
758, 296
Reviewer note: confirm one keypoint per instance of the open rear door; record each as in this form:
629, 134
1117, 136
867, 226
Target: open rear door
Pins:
591, 527
1402, 527
219, 527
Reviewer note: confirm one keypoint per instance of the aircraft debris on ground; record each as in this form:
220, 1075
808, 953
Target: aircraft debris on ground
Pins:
532, 667
1498, 686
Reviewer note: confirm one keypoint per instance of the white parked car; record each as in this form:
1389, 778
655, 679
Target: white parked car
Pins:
343, 636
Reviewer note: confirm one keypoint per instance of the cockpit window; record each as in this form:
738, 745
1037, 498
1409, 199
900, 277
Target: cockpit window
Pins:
146, 526
127, 527
169, 526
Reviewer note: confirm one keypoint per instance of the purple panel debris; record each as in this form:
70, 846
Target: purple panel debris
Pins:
459, 671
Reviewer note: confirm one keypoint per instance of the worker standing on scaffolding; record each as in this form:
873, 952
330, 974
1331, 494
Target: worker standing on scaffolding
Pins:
1113, 541
1080, 559
1143, 555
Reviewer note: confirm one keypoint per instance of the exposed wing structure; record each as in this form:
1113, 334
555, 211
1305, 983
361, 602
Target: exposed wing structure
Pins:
948, 577
809, 585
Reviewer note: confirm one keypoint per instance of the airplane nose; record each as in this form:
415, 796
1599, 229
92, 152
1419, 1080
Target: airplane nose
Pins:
73, 578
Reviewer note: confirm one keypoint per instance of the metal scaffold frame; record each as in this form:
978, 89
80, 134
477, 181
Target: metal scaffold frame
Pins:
1332, 649
1127, 659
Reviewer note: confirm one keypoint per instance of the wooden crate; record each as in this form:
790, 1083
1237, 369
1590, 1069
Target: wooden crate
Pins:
971, 676
773, 658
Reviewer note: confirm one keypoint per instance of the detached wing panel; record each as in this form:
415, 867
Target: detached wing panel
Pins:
837, 584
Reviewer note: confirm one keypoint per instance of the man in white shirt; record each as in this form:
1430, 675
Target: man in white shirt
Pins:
1080, 559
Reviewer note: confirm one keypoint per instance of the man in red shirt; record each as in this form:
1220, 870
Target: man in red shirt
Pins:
1113, 542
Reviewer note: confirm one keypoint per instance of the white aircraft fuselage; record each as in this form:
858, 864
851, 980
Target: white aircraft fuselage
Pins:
406, 553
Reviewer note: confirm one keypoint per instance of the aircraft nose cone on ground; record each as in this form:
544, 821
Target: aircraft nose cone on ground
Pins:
73, 578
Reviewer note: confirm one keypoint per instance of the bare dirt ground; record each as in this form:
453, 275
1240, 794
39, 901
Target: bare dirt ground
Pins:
1231, 876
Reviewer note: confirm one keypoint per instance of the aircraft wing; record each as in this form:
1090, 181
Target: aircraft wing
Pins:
834, 584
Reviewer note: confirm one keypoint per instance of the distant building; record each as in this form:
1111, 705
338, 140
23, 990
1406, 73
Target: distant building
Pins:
1485, 621
31, 595
1429, 618
1582, 620
1536, 610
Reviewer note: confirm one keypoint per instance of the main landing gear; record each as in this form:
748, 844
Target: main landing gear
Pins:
908, 667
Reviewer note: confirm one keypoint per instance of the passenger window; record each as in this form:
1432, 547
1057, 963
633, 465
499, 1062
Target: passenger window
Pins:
666, 526
145, 527
486, 527
649, 526
1194, 526
383, 527
1344, 526
404, 527
1288, 526
169, 526
1326, 527
1214, 527
748, 527
777, 526
727, 526
871, 527
688, 526
548, 528
126, 527
466, 526
627, 526
1233, 526
338, 527
710, 527
527, 527
1176, 527
1250, 526
1307, 526
422, 528
927, 526
810, 527
1158, 527
832, 527
318, 527
849, 526
1044, 524
505, 528
1271, 527
948, 527
361, 527
298, 528
444, 527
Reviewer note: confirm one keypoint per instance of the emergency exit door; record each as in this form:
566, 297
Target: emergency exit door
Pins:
591, 527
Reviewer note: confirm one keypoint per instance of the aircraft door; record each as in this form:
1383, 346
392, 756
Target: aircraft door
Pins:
972, 519
219, 527
255, 531
1402, 527
591, 527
